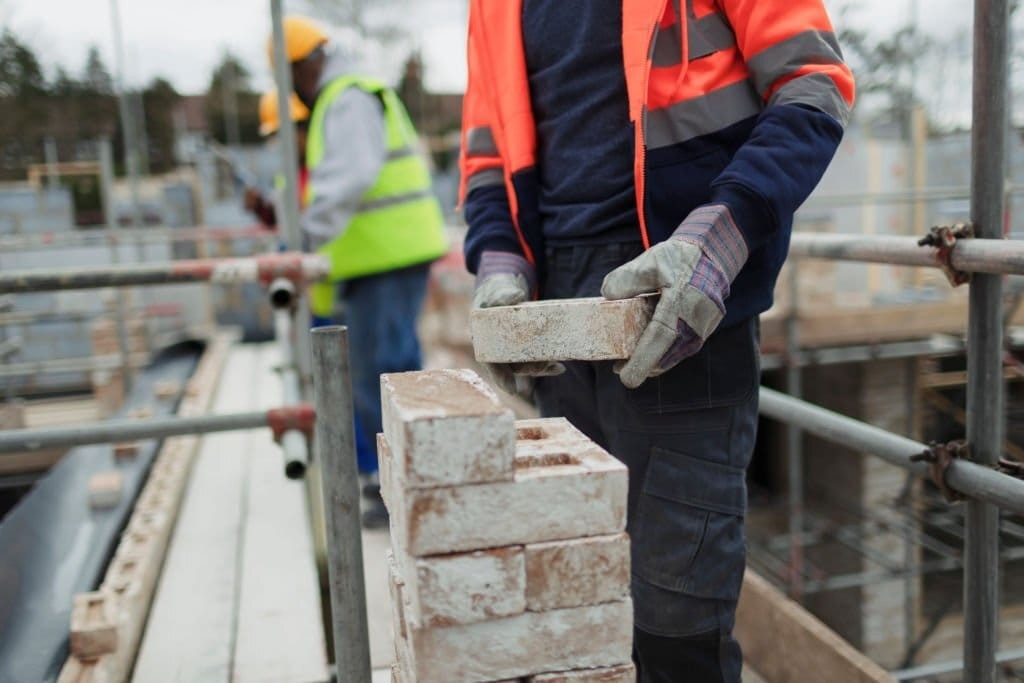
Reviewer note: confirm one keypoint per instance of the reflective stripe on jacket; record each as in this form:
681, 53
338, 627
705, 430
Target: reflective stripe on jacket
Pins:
702, 77
399, 222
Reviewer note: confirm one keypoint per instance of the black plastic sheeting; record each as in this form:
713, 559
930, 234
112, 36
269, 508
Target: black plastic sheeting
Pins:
52, 545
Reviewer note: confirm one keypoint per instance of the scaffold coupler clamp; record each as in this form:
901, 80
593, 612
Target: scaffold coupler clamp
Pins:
944, 238
1011, 467
301, 417
939, 456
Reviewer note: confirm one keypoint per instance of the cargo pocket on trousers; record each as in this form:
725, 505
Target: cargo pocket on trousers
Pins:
688, 532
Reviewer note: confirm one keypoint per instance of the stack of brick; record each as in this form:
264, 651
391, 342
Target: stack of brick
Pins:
509, 558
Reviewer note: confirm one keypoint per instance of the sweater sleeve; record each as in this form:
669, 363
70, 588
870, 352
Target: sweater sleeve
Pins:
482, 192
797, 67
355, 145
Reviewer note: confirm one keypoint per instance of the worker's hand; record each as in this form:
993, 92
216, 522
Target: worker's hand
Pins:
506, 279
693, 269
253, 200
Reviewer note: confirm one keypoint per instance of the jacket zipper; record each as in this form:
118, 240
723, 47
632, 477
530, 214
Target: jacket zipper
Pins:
642, 204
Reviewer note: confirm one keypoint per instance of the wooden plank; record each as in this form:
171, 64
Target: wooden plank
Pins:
132, 574
190, 631
19, 463
785, 643
280, 635
837, 327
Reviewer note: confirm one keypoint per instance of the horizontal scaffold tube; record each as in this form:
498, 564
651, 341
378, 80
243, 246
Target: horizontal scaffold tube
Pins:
963, 476
281, 420
67, 238
969, 255
264, 269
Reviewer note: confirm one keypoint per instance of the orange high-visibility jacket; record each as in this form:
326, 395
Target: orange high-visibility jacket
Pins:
697, 72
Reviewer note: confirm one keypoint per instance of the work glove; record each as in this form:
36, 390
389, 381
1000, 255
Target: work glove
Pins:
693, 268
506, 279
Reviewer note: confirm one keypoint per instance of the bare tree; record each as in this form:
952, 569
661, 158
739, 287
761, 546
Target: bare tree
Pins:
378, 20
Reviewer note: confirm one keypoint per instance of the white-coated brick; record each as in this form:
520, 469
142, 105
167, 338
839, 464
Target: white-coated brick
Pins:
464, 588
513, 647
559, 329
564, 487
93, 625
105, 489
585, 571
446, 427
576, 638
616, 674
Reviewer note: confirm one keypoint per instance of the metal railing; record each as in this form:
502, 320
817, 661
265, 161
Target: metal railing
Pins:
986, 256
297, 417
266, 269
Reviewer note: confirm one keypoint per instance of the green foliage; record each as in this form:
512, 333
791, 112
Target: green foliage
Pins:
74, 110
230, 86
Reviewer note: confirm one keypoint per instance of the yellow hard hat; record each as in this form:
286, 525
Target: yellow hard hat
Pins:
269, 119
302, 35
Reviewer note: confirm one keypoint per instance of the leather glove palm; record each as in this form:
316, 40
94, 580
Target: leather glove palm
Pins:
506, 279
693, 269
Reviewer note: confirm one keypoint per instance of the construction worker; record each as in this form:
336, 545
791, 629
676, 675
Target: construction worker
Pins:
622, 148
370, 209
254, 200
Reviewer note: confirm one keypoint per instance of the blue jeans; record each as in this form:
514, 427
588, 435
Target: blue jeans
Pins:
380, 311
686, 438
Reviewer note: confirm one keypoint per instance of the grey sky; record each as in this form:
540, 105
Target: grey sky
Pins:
183, 39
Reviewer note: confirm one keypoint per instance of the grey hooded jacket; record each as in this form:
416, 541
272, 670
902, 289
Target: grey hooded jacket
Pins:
355, 149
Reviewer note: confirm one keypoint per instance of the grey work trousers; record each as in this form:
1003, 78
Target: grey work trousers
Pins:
686, 438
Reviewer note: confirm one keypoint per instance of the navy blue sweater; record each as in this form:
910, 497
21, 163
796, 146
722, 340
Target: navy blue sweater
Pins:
584, 136
762, 168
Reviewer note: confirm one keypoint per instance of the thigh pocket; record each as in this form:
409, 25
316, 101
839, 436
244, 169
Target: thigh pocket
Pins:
688, 529
724, 372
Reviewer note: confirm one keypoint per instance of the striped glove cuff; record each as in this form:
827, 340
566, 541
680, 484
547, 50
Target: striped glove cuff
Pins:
712, 228
508, 263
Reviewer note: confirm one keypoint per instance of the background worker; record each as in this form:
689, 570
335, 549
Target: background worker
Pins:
254, 200
370, 209
624, 147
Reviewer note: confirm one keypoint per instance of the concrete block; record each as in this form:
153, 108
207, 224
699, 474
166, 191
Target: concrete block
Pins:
464, 588
616, 674
93, 625
105, 489
585, 571
564, 487
446, 427
559, 329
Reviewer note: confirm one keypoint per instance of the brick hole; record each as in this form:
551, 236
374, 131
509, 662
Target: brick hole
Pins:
546, 460
530, 434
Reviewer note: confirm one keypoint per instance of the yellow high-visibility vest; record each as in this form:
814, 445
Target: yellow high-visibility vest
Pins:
399, 222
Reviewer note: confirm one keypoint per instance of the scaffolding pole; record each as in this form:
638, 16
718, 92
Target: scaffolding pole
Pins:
113, 236
985, 416
336, 451
295, 267
794, 440
291, 228
972, 255
60, 366
110, 219
282, 420
295, 446
971, 479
